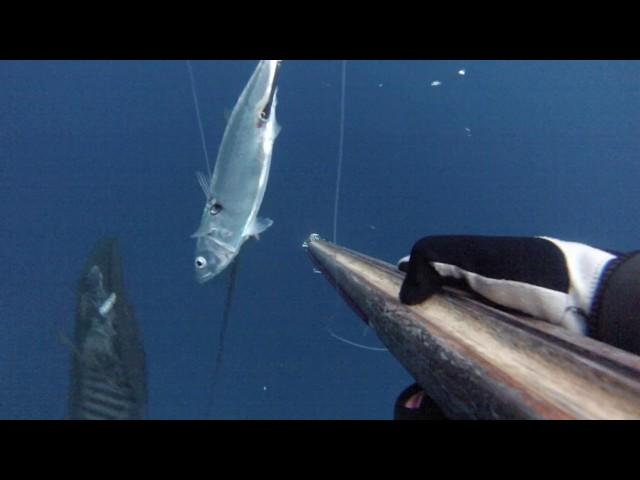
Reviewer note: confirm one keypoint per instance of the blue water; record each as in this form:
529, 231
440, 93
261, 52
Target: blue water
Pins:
95, 148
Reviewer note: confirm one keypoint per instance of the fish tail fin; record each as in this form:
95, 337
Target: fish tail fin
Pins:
257, 227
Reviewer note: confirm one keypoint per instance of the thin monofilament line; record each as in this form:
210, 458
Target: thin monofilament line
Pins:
197, 105
355, 344
226, 315
335, 208
340, 151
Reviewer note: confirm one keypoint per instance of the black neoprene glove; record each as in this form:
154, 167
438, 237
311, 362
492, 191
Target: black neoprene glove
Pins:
585, 289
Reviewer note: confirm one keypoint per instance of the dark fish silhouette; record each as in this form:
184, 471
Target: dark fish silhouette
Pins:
108, 377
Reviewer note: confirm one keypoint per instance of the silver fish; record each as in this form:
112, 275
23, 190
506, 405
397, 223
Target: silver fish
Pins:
236, 189
108, 376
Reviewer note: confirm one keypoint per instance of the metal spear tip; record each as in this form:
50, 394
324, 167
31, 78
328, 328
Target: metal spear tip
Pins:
312, 238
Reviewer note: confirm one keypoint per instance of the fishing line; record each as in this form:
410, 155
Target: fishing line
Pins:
359, 345
234, 266
336, 201
223, 330
197, 105
343, 94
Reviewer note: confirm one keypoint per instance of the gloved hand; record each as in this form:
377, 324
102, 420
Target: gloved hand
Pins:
585, 289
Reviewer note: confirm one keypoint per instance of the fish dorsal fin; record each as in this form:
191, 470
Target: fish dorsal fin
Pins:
258, 226
203, 181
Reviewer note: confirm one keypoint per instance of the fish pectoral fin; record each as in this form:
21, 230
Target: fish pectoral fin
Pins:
64, 340
221, 233
203, 230
203, 181
276, 130
258, 226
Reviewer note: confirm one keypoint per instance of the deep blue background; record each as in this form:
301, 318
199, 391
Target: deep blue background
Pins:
95, 148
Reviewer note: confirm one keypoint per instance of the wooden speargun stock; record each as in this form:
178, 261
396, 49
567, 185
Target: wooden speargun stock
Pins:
479, 362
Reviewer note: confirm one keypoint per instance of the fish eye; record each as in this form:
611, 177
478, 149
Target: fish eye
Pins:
263, 115
215, 209
201, 262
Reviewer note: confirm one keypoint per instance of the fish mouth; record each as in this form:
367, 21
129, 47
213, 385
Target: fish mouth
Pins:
106, 257
204, 277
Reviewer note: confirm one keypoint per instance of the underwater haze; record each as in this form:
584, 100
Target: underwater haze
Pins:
96, 148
